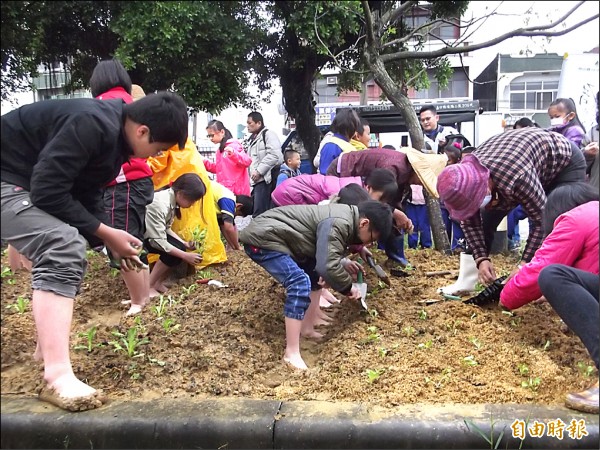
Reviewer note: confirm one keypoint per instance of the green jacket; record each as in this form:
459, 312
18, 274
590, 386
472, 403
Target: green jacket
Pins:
309, 232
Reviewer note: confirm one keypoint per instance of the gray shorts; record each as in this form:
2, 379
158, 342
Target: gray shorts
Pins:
56, 249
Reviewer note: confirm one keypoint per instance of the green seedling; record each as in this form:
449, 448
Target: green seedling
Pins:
454, 326
473, 340
114, 272
374, 374
523, 369
129, 342
408, 330
158, 362
89, 336
169, 325
20, 305
382, 352
516, 322
373, 313
6, 272
508, 313
160, 309
478, 287
547, 345
469, 361
532, 383
423, 314
585, 369
140, 326
198, 237
189, 289
373, 336
205, 274
425, 345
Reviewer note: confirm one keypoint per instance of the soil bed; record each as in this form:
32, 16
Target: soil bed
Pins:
228, 342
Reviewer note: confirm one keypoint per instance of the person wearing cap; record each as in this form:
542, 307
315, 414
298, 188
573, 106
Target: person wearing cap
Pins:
515, 167
57, 156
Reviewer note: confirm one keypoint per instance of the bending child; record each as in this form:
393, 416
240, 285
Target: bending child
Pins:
298, 245
159, 238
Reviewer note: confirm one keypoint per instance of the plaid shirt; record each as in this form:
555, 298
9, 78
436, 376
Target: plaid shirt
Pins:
522, 164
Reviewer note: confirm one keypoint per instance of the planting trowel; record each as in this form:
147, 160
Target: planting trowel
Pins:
362, 288
379, 271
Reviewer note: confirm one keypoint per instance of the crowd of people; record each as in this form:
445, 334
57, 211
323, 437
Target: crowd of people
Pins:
119, 173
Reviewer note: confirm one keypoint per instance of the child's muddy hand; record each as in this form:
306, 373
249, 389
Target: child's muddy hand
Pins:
193, 258
354, 294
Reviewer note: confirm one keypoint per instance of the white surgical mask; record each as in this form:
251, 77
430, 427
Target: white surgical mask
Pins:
557, 121
486, 200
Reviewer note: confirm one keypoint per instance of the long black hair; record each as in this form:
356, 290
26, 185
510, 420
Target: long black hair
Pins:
218, 126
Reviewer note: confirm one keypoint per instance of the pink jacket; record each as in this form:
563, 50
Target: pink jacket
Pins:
310, 189
232, 170
573, 242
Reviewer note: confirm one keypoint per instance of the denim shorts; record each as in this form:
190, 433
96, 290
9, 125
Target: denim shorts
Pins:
298, 279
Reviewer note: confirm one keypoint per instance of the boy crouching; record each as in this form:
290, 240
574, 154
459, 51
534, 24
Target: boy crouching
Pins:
298, 244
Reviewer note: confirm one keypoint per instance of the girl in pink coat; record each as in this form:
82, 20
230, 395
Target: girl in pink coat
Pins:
232, 161
571, 216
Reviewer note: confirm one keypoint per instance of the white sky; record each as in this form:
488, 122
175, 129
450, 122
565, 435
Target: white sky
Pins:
513, 14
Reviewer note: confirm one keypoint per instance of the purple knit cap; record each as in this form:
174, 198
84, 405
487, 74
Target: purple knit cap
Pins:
463, 186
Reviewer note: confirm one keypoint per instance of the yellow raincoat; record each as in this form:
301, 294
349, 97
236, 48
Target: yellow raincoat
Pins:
167, 168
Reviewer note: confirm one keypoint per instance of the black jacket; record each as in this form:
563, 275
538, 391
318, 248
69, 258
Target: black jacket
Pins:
64, 152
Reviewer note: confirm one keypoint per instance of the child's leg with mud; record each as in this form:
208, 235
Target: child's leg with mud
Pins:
138, 285
297, 284
58, 254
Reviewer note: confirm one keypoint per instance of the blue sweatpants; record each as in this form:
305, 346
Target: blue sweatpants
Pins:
420, 220
453, 228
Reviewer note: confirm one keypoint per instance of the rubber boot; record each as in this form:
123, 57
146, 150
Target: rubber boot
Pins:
394, 249
468, 276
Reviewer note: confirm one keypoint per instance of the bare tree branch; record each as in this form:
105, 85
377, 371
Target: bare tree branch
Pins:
392, 15
331, 55
525, 32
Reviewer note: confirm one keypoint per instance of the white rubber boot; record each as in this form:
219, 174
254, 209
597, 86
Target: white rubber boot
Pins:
468, 276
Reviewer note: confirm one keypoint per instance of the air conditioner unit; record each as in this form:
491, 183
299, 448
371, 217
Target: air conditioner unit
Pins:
331, 81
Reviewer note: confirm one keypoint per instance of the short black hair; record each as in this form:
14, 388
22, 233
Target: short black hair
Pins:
389, 147
379, 215
385, 181
289, 153
428, 108
107, 75
352, 194
164, 113
247, 204
190, 185
346, 122
564, 198
257, 117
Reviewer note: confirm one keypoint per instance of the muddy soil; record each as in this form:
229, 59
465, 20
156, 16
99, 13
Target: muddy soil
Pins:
204, 341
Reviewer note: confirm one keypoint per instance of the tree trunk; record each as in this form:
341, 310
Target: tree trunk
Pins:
402, 102
441, 241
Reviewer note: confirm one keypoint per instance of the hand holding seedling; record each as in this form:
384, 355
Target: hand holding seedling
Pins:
487, 274
192, 258
402, 221
354, 294
191, 245
121, 243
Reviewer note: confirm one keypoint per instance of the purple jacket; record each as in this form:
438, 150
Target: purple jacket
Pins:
572, 132
363, 163
310, 189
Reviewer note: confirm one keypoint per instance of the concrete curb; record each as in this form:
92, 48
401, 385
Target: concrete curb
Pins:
262, 424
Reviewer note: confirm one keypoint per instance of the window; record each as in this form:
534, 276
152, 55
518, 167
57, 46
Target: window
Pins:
458, 86
532, 95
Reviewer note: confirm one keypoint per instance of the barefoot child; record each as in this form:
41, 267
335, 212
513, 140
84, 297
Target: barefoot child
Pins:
56, 156
159, 238
299, 244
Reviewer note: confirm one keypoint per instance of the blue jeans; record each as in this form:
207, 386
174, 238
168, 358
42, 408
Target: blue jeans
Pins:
420, 220
453, 228
297, 279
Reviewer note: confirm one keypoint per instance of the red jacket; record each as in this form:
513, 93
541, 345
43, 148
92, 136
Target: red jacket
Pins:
573, 242
135, 168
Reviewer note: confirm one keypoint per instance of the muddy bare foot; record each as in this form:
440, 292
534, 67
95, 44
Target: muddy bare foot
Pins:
154, 293
296, 361
311, 333
71, 394
134, 309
